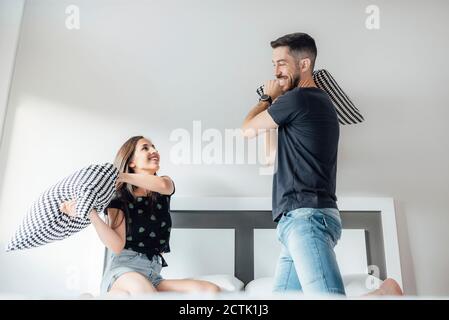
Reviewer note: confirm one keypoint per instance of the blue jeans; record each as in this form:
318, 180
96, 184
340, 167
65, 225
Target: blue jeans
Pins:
307, 261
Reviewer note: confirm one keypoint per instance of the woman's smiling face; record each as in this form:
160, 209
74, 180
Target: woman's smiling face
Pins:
145, 158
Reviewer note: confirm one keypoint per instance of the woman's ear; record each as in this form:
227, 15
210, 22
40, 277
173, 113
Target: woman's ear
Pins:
132, 164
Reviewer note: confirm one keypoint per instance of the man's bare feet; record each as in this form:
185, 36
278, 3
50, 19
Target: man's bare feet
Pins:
388, 288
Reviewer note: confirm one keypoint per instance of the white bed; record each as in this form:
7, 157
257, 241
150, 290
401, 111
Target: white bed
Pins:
210, 238
239, 249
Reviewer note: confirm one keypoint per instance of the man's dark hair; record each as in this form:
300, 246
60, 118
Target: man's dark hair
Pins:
301, 44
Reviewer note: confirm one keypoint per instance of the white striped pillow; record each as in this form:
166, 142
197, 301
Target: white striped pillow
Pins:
93, 188
346, 110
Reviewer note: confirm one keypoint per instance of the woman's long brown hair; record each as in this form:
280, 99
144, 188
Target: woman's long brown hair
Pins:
125, 191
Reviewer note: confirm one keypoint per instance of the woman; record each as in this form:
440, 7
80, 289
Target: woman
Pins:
138, 225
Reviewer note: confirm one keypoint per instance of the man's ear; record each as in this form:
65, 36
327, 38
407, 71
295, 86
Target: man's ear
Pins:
305, 64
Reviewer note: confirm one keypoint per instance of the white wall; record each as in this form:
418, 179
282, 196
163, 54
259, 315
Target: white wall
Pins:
153, 66
10, 17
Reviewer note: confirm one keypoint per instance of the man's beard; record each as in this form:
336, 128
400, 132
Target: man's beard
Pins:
295, 82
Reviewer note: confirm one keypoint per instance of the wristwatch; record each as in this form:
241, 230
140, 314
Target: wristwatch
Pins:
267, 98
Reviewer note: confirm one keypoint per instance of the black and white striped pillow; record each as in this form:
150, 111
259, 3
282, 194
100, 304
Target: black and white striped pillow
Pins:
93, 188
346, 110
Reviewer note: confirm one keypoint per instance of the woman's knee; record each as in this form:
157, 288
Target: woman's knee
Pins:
133, 283
206, 286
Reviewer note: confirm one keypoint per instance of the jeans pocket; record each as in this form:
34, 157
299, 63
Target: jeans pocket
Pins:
319, 221
333, 228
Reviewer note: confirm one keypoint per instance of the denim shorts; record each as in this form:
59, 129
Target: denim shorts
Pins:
131, 261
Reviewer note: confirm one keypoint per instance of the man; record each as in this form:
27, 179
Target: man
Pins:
304, 201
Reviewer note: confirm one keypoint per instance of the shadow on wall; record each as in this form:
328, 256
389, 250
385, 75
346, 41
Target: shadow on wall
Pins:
407, 269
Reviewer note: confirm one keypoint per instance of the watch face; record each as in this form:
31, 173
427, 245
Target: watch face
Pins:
265, 97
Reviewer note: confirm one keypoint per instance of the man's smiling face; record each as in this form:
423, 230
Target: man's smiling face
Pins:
286, 68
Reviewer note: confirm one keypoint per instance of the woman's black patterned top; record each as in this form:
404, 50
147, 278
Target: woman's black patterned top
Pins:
148, 224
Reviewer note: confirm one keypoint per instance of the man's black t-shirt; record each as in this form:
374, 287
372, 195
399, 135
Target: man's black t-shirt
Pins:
306, 160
